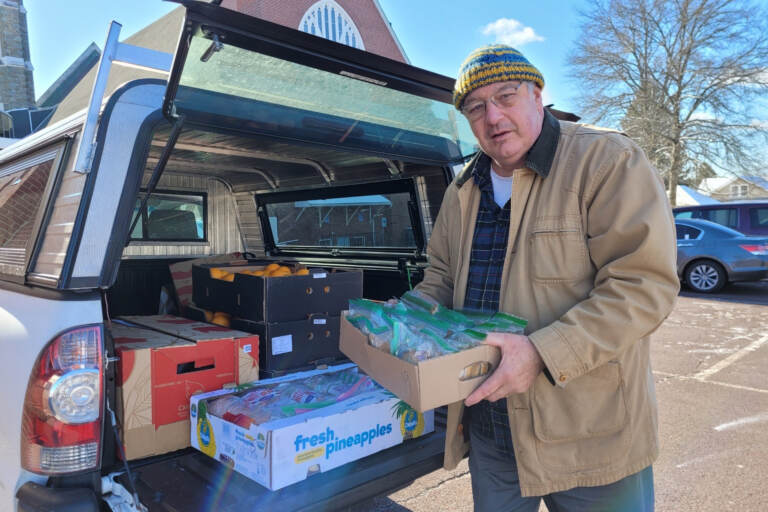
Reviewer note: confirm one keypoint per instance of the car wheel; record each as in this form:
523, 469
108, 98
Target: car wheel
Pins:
705, 276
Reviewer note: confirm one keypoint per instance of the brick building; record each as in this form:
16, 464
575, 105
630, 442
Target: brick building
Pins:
17, 89
358, 23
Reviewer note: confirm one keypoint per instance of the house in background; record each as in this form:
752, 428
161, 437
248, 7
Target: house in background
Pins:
735, 188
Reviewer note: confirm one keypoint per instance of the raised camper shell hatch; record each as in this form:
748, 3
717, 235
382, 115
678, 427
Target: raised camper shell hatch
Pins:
234, 71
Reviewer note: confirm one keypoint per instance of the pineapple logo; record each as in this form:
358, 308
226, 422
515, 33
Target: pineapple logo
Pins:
205, 438
411, 421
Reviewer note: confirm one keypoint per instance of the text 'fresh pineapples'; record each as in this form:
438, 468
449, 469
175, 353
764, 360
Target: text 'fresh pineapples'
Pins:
280, 431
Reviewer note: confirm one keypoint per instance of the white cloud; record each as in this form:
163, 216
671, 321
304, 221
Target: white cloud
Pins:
760, 123
511, 32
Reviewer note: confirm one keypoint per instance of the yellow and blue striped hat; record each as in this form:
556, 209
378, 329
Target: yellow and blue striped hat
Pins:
491, 64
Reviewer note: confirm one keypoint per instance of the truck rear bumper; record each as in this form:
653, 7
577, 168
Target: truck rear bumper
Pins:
34, 497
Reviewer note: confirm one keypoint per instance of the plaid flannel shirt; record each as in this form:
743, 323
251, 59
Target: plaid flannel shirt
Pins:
489, 247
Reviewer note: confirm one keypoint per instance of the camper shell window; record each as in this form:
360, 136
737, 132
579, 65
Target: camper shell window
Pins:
24, 191
380, 217
171, 217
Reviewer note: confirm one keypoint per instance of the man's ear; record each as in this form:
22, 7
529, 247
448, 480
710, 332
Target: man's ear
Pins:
538, 98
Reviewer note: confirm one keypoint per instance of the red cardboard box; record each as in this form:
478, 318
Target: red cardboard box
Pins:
156, 376
245, 351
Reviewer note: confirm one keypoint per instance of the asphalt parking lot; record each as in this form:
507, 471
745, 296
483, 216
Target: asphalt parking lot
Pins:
710, 360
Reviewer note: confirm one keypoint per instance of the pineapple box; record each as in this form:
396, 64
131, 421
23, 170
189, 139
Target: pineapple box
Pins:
319, 437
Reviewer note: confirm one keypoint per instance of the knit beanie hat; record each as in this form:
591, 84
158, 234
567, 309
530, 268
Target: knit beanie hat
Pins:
491, 64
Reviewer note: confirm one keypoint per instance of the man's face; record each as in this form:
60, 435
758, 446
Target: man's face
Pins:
507, 133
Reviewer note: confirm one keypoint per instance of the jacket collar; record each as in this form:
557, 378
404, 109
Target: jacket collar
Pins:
539, 158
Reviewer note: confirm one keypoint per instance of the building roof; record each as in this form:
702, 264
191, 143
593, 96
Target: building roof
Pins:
70, 77
686, 196
760, 181
714, 184
376, 200
161, 35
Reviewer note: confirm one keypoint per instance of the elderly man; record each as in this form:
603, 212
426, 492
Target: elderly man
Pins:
568, 226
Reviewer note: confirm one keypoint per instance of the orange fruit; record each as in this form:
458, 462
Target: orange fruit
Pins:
217, 273
220, 318
271, 267
302, 272
228, 276
208, 315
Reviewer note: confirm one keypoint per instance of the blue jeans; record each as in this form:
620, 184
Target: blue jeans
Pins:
496, 487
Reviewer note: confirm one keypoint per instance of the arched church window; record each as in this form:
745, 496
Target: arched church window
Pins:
327, 19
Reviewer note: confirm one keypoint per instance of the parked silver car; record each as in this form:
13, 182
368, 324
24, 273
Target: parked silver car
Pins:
710, 255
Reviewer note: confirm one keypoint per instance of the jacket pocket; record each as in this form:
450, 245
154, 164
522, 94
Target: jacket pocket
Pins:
592, 405
584, 425
558, 249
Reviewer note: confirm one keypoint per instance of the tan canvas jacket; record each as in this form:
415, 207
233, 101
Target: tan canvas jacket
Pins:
590, 264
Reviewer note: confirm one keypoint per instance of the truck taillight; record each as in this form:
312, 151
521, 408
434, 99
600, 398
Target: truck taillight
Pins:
61, 425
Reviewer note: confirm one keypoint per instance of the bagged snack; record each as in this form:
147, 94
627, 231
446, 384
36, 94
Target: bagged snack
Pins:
417, 328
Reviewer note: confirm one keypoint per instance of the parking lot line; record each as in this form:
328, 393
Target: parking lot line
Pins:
706, 373
713, 382
742, 421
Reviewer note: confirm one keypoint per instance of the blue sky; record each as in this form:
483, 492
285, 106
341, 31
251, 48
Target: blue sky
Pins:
436, 35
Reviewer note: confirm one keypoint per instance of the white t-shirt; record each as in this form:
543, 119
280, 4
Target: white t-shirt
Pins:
502, 188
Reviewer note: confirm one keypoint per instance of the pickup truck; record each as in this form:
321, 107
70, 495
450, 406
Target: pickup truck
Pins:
264, 141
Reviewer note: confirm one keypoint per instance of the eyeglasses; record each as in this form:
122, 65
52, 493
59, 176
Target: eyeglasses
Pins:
504, 98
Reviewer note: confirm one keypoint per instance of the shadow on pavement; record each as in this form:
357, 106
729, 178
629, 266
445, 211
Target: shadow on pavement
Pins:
382, 504
755, 292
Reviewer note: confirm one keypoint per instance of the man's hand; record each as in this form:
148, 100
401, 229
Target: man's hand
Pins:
520, 365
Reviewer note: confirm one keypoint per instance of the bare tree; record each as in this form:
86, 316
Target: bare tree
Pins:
685, 78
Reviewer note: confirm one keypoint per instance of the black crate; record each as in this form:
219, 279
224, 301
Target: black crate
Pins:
295, 345
277, 299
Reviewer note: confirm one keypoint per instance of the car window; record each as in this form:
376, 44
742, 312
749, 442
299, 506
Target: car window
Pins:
758, 217
684, 215
687, 232
171, 217
724, 216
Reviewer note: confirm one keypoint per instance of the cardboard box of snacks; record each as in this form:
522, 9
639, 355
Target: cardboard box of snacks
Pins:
428, 384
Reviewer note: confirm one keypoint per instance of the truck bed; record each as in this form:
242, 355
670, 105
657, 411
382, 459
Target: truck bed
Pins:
188, 481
